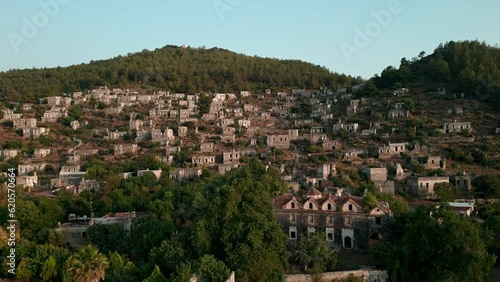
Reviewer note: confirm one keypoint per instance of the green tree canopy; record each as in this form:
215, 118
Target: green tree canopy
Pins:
432, 244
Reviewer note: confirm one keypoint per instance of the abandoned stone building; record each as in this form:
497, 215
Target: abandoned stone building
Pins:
349, 127
27, 181
125, 148
344, 220
23, 123
392, 149
115, 135
435, 162
180, 174
326, 170
203, 160
35, 133
7, 154
331, 145
456, 127
278, 141
207, 147
25, 169
232, 156
462, 183
223, 168
398, 113
424, 186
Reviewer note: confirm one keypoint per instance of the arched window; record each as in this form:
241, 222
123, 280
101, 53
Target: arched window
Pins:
310, 206
311, 219
293, 205
292, 217
350, 207
329, 207
330, 220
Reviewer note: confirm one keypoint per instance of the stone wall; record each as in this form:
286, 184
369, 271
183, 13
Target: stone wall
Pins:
367, 274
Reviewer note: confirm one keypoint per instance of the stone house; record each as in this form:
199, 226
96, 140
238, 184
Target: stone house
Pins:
368, 132
228, 138
250, 108
238, 112
69, 175
293, 134
344, 220
226, 122
326, 170
34, 133
392, 149
89, 185
125, 148
435, 162
182, 131
456, 127
73, 234
401, 91
332, 145
162, 137
27, 168
232, 156
223, 168
86, 152
209, 116
7, 154
207, 147
379, 177
142, 135
185, 173
424, 186
462, 183
23, 123
398, 113
203, 160
8, 114
349, 127
244, 123
228, 130
278, 141
27, 181
375, 173
73, 159
350, 154
112, 136
113, 110
245, 93
54, 100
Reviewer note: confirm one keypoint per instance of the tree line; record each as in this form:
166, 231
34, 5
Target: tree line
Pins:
173, 68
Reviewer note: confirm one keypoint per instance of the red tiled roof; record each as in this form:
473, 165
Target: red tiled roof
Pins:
281, 200
312, 192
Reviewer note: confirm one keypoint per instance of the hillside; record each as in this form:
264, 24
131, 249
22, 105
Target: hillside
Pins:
174, 68
469, 67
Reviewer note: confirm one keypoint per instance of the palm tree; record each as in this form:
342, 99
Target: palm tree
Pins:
87, 265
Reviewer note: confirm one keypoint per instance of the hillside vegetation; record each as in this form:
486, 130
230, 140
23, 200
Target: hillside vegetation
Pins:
469, 67
173, 68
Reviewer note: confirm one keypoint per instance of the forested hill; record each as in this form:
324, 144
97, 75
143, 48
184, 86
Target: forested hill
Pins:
174, 68
471, 67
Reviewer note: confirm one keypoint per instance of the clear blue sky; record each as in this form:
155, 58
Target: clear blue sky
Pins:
314, 31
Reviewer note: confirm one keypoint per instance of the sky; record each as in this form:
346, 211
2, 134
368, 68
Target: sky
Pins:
359, 38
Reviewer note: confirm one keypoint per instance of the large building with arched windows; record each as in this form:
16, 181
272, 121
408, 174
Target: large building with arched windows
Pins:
345, 220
